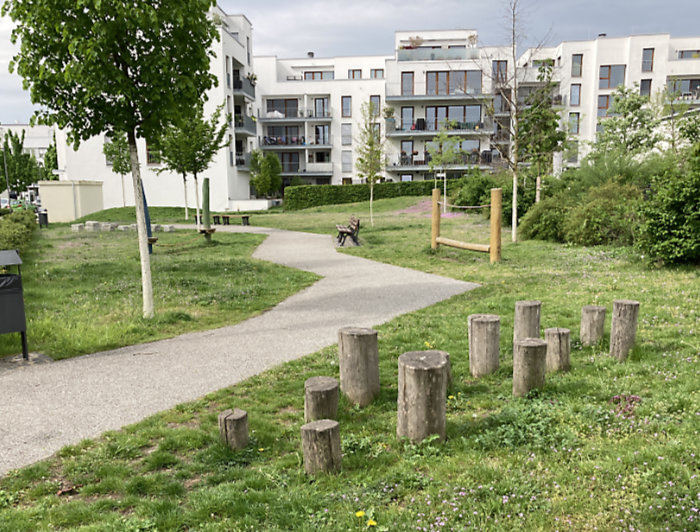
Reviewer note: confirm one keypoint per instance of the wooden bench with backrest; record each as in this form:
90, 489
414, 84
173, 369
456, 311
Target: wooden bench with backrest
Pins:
351, 230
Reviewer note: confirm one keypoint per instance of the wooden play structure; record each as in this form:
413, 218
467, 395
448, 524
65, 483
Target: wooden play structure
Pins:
493, 248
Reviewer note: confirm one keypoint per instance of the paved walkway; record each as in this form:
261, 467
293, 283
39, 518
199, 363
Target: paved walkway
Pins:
46, 406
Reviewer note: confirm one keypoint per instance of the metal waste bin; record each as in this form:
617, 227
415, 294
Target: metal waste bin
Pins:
43, 217
12, 317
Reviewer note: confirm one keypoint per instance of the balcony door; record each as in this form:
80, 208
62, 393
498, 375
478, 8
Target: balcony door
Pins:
321, 109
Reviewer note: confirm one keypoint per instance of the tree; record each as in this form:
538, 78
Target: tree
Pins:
265, 171
370, 160
22, 168
100, 66
631, 127
539, 131
50, 162
189, 145
444, 152
116, 150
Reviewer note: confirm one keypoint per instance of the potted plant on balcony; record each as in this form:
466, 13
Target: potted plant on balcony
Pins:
389, 119
252, 78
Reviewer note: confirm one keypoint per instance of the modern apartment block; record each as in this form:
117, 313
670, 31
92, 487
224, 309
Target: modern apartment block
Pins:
308, 110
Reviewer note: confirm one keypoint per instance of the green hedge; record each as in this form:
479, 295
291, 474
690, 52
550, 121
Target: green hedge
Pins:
305, 196
16, 229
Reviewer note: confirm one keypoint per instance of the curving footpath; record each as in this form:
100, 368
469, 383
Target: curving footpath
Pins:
46, 406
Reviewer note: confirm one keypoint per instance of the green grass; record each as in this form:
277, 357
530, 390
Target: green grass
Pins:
83, 290
568, 458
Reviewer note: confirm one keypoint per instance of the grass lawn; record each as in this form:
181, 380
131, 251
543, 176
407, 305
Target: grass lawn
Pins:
607, 446
83, 290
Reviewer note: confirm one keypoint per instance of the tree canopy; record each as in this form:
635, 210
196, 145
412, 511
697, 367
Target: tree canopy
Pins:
22, 168
266, 173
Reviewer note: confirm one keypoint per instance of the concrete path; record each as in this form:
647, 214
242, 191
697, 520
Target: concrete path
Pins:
48, 405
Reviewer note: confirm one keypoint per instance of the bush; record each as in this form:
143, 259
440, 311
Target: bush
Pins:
16, 229
608, 215
475, 190
545, 220
670, 230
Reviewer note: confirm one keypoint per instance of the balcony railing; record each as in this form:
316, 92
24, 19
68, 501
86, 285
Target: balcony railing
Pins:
437, 54
320, 168
244, 124
270, 141
245, 87
290, 168
421, 126
307, 114
243, 160
394, 91
464, 159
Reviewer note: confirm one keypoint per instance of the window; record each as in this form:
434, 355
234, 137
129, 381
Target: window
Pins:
376, 73
322, 134
611, 76
645, 88
152, 155
575, 96
247, 49
346, 106
346, 134
574, 120
318, 75
499, 71
686, 87
287, 108
473, 81
283, 135
462, 116
576, 65
347, 181
453, 82
688, 54
321, 108
290, 162
572, 152
406, 152
228, 71
346, 160
647, 60
406, 118
355, 73
406, 83
603, 104
375, 103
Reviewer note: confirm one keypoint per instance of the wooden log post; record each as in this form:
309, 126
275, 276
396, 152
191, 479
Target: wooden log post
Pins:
529, 365
484, 332
435, 225
496, 220
233, 428
320, 398
358, 357
527, 320
592, 324
558, 349
320, 442
421, 403
623, 330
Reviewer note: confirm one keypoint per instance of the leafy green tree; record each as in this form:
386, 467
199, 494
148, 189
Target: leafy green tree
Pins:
188, 146
631, 127
689, 127
22, 168
370, 160
100, 66
266, 173
50, 163
444, 152
116, 149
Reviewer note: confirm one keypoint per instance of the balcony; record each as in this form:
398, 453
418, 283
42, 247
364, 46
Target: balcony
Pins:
295, 143
296, 115
395, 94
242, 161
422, 128
413, 163
319, 168
243, 87
437, 54
244, 125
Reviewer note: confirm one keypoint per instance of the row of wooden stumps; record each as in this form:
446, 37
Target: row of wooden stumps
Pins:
494, 246
425, 376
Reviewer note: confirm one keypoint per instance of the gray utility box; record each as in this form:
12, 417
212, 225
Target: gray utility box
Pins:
12, 317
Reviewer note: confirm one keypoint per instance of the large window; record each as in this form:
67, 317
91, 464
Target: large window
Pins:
290, 162
321, 107
647, 60
406, 118
576, 65
574, 120
611, 76
499, 71
575, 96
645, 88
288, 108
284, 135
603, 104
375, 102
346, 106
688, 54
346, 134
346, 160
355, 73
453, 82
376, 73
460, 116
316, 75
406, 83
685, 86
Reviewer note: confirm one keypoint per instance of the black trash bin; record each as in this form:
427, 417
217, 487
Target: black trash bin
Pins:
12, 317
43, 218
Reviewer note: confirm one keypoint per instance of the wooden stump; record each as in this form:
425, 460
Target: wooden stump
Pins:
529, 365
623, 330
320, 441
484, 332
558, 349
422, 395
592, 324
358, 357
233, 428
320, 398
527, 320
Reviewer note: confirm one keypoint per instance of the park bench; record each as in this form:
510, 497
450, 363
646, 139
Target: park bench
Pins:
351, 230
225, 219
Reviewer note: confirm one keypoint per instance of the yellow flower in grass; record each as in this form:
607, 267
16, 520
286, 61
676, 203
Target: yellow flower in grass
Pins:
371, 522
359, 514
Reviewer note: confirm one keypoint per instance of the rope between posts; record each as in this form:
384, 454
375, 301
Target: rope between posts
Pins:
463, 207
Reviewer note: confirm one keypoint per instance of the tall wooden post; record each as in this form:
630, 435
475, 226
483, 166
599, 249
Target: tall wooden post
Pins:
435, 232
496, 210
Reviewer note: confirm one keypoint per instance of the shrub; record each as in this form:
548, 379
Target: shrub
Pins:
475, 190
16, 229
670, 230
545, 220
608, 215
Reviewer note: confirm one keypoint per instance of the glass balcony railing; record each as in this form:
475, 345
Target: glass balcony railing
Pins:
244, 123
437, 54
244, 86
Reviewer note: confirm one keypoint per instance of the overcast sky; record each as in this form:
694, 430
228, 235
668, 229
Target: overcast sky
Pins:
366, 27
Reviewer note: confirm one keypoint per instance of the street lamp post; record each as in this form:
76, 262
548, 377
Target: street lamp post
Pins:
7, 177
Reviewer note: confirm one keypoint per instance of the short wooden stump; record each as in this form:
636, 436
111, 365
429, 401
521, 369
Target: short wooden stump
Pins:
320, 398
592, 324
320, 441
484, 332
233, 428
526, 323
529, 365
358, 358
558, 349
623, 330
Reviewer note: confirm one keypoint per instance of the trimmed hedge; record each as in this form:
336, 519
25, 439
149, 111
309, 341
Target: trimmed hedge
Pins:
16, 229
305, 196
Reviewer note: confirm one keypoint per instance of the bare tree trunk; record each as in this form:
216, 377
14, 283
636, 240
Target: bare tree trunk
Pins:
444, 194
146, 284
513, 6
187, 209
196, 195
371, 200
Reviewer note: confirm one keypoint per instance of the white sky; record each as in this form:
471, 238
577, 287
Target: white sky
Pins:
366, 27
